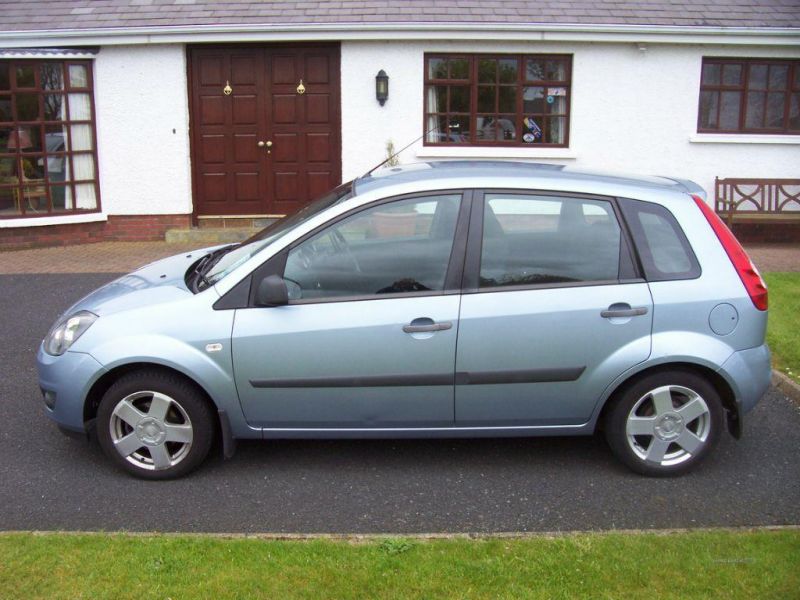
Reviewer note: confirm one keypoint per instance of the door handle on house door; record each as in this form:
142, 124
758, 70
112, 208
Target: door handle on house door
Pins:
263, 144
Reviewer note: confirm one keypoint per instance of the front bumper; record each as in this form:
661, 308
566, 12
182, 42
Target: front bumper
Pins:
749, 373
69, 378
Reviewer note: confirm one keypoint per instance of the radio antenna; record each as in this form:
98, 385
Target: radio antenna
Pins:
390, 157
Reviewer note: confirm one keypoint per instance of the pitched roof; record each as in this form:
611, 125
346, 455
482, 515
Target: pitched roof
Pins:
90, 14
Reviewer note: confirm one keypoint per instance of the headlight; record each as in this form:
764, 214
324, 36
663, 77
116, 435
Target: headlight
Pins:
67, 331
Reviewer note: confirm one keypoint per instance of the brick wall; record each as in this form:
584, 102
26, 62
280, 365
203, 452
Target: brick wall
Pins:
122, 228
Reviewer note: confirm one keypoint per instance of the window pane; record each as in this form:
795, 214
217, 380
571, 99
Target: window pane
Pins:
459, 129
487, 70
667, 252
85, 197
402, 247
778, 77
486, 98
775, 106
437, 68
436, 129
755, 110
794, 112
34, 195
54, 107
531, 130
5, 109
758, 77
535, 69
556, 70
61, 198
27, 107
508, 70
533, 100
8, 168
27, 138
51, 76
33, 167
81, 137
530, 240
9, 206
79, 107
555, 130
5, 76
507, 99
711, 74
459, 98
556, 101
708, 110
732, 74
729, 110
5, 134
78, 76
459, 68
84, 166
26, 77
436, 98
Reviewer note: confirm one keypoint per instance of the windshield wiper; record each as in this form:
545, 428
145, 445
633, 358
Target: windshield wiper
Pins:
209, 260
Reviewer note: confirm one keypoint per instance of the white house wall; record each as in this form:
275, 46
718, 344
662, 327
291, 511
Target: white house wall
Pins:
632, 110
141, 100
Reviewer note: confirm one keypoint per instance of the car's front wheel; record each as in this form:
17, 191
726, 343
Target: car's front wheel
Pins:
665, 423
155, 425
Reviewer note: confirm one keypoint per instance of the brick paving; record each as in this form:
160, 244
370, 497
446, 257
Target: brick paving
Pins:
122, 257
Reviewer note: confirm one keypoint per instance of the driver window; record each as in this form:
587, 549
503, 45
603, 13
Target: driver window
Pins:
393, 248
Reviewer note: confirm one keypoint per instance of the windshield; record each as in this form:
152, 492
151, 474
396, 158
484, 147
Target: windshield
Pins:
233, 256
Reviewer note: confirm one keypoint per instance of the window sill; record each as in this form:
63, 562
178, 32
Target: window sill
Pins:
742, 138
54, 220
494, 152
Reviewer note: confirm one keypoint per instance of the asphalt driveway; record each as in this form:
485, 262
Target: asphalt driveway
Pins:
48, 481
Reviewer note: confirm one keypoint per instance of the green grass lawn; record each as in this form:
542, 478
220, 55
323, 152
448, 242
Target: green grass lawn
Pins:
701, 564
783, 331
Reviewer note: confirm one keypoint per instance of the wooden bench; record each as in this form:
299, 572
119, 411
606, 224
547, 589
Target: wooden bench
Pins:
757, 200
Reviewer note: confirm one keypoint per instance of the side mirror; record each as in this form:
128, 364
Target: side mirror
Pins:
272, 291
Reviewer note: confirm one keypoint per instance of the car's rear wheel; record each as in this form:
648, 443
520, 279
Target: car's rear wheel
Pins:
665, 423
155, 425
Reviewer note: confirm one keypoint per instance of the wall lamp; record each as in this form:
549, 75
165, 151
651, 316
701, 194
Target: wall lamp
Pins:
382, 87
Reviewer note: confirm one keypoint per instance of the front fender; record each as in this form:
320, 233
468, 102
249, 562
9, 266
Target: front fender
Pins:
212, 371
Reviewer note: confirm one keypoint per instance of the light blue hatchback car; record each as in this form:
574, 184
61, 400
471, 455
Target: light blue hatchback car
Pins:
446, 299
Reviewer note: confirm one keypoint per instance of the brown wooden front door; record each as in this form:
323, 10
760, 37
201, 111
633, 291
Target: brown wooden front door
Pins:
265, 148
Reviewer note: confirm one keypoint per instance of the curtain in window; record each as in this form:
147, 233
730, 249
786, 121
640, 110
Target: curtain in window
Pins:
81, 138
433, 135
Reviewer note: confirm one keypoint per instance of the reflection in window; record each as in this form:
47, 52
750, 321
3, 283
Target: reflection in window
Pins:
749, 96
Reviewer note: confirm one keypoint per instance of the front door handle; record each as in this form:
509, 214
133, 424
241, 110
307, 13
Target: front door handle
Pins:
615, 313
443, 326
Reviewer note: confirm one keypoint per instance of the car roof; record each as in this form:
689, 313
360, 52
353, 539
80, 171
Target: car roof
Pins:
516, 174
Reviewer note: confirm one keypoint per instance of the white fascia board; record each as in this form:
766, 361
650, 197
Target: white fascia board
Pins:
761, 36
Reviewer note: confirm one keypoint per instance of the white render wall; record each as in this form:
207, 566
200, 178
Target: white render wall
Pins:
632, 110
142, 111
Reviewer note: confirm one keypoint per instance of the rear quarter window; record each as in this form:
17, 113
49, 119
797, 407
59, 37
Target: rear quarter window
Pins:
663, 249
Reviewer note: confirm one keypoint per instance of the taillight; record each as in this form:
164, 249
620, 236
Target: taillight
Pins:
747, 271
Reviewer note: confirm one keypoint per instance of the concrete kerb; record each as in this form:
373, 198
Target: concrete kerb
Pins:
786, 385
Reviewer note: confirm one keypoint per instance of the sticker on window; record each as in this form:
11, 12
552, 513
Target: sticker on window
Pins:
533, 131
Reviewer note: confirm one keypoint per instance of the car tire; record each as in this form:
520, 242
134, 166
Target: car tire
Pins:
665, 423
155, 425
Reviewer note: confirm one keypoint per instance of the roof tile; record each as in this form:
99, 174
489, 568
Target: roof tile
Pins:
86, 14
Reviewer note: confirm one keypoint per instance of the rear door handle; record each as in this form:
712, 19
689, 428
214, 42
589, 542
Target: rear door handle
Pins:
612, 313
443, 326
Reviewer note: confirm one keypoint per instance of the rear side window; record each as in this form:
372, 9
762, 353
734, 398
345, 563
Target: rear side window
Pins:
663, 248
533, 239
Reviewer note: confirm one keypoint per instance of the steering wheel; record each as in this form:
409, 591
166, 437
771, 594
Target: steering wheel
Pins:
342, 246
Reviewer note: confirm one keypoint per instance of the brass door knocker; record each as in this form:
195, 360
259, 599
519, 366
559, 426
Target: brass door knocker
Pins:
301, 89
227, 90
